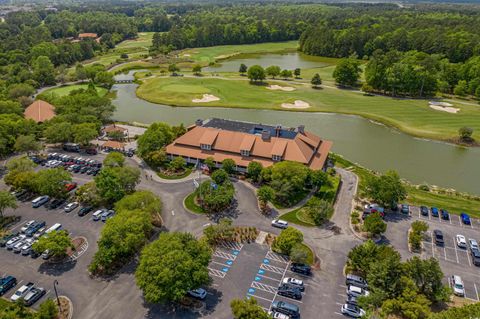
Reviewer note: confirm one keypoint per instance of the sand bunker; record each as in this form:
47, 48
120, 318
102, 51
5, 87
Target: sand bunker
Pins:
443, 106
298, 104
206, 98
186, 55
281, 88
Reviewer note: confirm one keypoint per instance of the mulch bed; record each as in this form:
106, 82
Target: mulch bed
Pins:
77, 242
64, 311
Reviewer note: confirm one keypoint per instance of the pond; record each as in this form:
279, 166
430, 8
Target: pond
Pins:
287, 61
370, 144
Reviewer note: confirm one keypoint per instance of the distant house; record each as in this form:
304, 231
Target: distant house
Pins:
113, 146
87, 35
245, 142
39, 111
115, 128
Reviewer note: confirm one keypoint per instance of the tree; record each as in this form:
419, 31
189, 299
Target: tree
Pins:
215, 198
297, 73
210, 162
173, 69
26, 143
229, 165
319, 178
177, 164
43, 71
264, 195
427, 276
286, 74
374, 224
254, 169
466, 311
84, 133
256, 73
178, 262
465, 133
347, 72
11, 107
242, 69
48, 310
80, 72
461, 88
387, 189
287, 239
58, 132
384, 277
316, 80
362, 257
223, 231
116, 136
247, 309
273, 71
288, 179
142, 200
157, 136
57, 242
7, 200
220, 176
114, 159
21, 89
298, 254
104, 79
115, 182
197, 69
319, 210
87, 194
52, 181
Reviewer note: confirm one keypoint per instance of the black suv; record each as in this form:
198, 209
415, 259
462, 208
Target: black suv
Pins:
424, 210
475, 256
55, 203
301, 269
7, 283
438, 237
84, 210
290, 292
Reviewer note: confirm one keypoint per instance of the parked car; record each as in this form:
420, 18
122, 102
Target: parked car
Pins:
352, 310
465, 218
444, 213
34, 228
438, 237
34, 295
198, 293
458, 287
475, 253
461, 241
353, 300
424, 210
39, 233
405, 209
34, 254
27, 247
279, 223
7, 283
70, 186
434, 211
13, 241
473, 243
22, 291
54, 204
47, 254
97, 214
27, 225
356, 281
278, 315
85, 210
290, 292
6, 238
294, 282
107, 214
19, 193
39, 201
373, 208
286, 308
356, 291
301, 269
17, 248
70, 207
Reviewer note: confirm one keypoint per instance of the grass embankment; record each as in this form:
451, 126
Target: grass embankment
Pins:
190, 204
65, 90
455, 203
310, 256
411, 116
3, 305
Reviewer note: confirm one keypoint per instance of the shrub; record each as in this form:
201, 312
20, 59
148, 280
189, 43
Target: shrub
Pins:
287, 239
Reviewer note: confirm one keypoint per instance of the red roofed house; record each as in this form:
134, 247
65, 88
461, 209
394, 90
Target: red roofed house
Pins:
246, 142
39, 111
87, 35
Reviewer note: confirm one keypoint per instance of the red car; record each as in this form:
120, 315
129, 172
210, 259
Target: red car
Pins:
70, 186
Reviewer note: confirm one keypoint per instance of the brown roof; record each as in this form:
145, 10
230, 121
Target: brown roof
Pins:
39, 111
113, 128
114, 144
87, 35
305, 147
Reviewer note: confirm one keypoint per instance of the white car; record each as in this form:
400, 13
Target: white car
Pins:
27, 224
278, 315
279, 223
352, 311
13, 241
294, 282
356, 291
457, 285
461, 241
70, 206
473, 244
198, 293
22, 291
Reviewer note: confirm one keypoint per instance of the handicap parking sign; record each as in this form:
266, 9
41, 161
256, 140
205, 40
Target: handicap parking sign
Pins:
225, 269
229, 262
251, 290
266, 261
258, 278
261, 271
235, 252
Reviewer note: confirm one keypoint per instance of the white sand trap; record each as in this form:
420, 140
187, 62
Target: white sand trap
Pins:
298, 104
445, 108
206, 98
186, 55
281, 88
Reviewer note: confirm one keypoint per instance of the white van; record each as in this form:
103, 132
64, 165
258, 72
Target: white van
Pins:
55, 227
457, 285
97, 215
39, 201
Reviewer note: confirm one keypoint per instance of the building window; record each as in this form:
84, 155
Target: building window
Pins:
276, 158
245, 152
207, 147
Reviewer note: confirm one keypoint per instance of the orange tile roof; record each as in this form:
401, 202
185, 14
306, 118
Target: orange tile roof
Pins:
114, 144
87, 35
305, 147
114, 128
39, 111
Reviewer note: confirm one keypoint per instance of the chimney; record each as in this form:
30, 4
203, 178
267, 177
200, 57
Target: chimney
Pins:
301, 129
278, 128
266, 135
199, 122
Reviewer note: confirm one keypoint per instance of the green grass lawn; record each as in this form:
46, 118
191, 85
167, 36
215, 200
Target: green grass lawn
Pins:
411, 116
65, 90
3, 305
310, 256
189, 202
143, 41
211, 54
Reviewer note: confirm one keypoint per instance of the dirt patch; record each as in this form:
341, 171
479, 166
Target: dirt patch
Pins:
443, 106
206, 98
298, 104
280, 88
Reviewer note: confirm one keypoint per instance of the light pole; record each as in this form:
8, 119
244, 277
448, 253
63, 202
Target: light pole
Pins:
55, 284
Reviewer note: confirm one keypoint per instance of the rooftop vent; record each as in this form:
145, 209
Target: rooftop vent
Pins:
266, 135
301, 129
199, 122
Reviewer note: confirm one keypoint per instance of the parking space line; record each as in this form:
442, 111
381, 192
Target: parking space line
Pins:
263, 276
273, 269
468, 257
476, 291
216, 273
260, 286
276, 257
455, 246
18, 225
283, 276
221, 254
225, 265
433, 249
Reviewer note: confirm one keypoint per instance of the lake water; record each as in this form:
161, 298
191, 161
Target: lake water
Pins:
369, 144
287, 61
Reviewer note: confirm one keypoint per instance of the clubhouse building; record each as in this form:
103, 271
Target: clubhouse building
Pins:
245, 142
